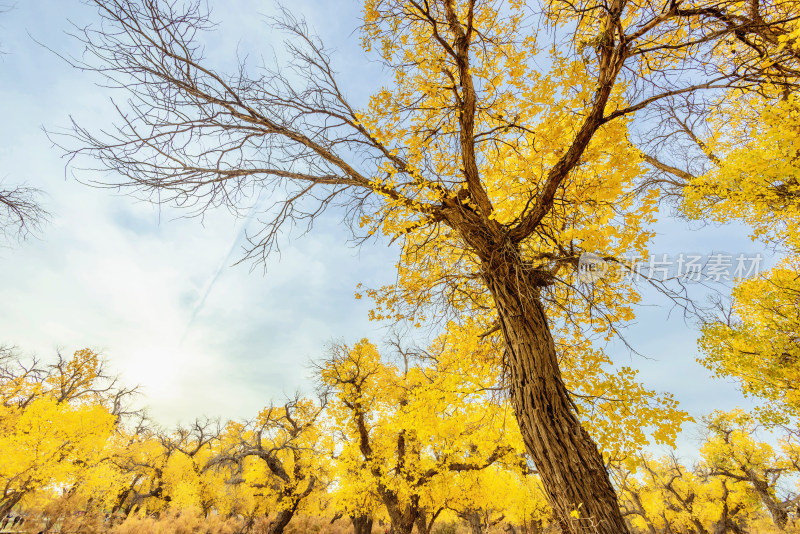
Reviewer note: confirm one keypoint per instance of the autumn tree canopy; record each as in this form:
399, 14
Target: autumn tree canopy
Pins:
54, 422
498, 154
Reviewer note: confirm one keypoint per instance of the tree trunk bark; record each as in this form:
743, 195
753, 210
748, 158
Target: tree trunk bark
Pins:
403, 516
422, 525
401, 527
8, 504
362, 524
779, 515
474, 521
570, 466
280, 522
402, 524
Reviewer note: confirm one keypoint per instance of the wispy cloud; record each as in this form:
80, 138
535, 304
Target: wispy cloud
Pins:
226, 261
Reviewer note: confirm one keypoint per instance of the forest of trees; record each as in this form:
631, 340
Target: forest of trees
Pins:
413, 441
512, 139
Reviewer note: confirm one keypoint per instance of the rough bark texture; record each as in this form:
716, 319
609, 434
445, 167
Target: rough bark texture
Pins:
280, 522
728, 522
362, 524
780, 516
8, 504
475, 522
402, 517
422, 526
566, 457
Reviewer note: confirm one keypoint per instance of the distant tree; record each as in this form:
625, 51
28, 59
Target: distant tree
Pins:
281, 455
668, 497
406, 432
55, 422
731, 450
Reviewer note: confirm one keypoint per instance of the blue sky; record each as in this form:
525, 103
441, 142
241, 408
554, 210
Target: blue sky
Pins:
117, 275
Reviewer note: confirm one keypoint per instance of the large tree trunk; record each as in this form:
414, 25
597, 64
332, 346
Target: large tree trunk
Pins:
402, 526
362, 524
404, 515
402, 519
279, 524
474, 520
780, 517
7, 504
402, 523
122, 496
567, 459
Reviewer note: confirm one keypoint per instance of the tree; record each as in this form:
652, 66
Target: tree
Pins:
499, 493
55, 421
150, 470
740, 164
407, 429
495, 172
757, 341
672, 498
282, 455
139, 458
356, 497
528, 508
186, 480
731, 451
